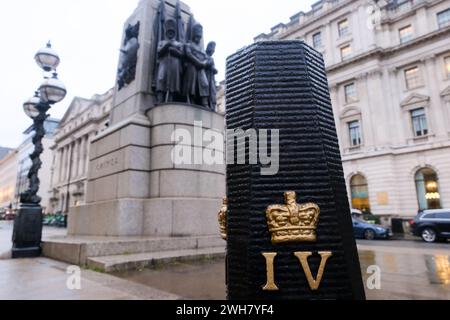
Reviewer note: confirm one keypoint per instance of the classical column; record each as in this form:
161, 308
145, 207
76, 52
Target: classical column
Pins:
64, 163
60, 163
69, 160
76, 159
83, 155
86, 158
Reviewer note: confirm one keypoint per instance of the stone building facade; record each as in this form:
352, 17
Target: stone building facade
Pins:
83, 121
388, 65
8, 178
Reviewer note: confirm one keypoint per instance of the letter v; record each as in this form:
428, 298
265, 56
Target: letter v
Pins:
314, 284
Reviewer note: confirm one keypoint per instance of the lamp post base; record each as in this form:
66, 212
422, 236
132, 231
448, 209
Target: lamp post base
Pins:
27, 234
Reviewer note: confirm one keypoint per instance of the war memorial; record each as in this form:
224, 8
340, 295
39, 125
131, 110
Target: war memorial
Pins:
152, 195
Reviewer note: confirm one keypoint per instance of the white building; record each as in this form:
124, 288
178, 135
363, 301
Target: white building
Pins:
388, 65
84, 119
24, 163
8, 178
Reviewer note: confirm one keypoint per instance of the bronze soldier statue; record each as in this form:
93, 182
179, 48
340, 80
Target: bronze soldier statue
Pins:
196, 85
170, 53
211, 72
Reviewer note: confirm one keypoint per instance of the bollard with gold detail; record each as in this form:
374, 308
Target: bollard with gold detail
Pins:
223, 219
293, 222
289, 231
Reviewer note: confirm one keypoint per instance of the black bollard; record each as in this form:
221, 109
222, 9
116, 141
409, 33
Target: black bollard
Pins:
290, 234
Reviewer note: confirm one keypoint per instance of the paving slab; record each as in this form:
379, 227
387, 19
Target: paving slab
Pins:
147, 260
45, 279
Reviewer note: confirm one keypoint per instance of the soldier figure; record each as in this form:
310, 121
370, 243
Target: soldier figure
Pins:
196, 85
170, 53
211, 72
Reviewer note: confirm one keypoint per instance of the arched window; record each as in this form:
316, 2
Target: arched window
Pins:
360, 193
427, 186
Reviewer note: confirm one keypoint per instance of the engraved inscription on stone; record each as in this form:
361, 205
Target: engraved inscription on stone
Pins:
107, 163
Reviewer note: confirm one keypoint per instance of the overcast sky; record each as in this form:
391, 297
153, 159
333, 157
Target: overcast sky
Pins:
87, 34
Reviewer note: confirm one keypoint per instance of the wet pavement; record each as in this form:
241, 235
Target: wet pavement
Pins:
410, 270
45, 279
6, 235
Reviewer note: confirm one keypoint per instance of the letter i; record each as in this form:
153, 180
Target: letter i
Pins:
270, 285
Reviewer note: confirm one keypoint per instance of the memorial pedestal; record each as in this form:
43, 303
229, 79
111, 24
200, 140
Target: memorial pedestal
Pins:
136, 189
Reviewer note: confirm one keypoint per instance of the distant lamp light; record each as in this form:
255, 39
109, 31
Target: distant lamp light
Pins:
433, 196
47, 58
30, 106
52, 90
432, 186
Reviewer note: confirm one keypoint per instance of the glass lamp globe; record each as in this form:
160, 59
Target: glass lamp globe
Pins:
30, 106
47, 58
52, 90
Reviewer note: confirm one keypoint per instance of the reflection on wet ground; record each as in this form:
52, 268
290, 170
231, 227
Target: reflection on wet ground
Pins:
404, 276
203, 280
408, 276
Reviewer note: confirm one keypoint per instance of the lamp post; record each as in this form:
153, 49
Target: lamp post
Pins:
27, 234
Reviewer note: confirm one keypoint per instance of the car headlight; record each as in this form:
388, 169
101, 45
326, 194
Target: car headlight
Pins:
380, 230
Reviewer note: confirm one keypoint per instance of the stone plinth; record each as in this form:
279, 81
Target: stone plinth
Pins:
134, 187
184, 198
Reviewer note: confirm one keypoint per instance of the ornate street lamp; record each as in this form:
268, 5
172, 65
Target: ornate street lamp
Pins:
27, 234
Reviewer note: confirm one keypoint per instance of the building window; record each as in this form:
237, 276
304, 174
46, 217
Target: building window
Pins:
427, 186
447, 66
406, 34
350, 93
317, 40
443, 18
419, 122
360, 193
412, 77
403, 6
354, 129
343, 27
346, 52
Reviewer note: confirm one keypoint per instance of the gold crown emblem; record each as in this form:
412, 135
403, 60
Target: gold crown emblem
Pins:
293, 222
223, 219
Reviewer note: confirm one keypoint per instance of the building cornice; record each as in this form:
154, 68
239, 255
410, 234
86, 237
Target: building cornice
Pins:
306, 23
412, 11
389, 52
397, 151
94, 120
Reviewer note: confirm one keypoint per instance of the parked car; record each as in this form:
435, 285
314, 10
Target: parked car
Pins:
369, 231
9, 216
366, 216
432, 225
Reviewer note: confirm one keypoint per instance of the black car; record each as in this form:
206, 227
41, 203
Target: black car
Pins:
432, 225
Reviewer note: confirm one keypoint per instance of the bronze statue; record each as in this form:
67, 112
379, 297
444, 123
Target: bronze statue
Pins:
129, 56
170, 53
211, 72
182, 70
196, 85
